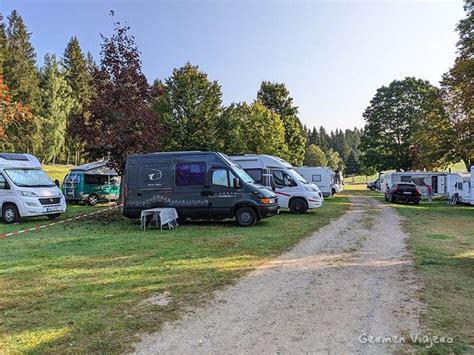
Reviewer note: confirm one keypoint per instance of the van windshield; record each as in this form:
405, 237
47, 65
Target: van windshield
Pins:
295, 176
243, 175
29, 178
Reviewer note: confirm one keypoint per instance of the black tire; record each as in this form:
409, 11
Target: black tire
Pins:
298, 206
333, 192
10, 213
245, 217
54, 215
417, 202
392, 200
92, 200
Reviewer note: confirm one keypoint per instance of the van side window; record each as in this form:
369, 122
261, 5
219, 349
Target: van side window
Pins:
405, 178
96, 179
280, 178
3, 183
255, 174
316, 178
190, 174
223, 177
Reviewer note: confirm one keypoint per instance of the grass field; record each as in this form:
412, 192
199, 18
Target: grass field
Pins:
442, 244
57, 171
80, 287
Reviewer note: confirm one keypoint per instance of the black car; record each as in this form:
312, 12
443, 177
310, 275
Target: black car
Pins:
403, 192
374, 185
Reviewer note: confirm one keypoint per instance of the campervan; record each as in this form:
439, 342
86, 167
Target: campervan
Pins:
200, 185
460, 187
91, 183
323, 177
26, 190
293, 190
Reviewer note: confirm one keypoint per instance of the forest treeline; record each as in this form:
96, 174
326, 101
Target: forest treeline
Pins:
74, 109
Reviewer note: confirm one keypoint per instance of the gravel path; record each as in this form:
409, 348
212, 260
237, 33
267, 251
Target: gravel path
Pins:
350, 278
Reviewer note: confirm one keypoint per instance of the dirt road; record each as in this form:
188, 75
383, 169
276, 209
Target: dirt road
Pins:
348, 281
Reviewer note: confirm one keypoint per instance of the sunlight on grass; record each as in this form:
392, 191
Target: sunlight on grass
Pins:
31, 340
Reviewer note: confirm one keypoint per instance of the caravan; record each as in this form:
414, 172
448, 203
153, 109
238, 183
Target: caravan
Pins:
323, 177
421, 179
293, 190
91, 183
460, 187
26, 190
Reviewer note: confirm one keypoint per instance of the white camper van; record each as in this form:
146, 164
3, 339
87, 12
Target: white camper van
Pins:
460, 187
26, 190
293, 191
323, 177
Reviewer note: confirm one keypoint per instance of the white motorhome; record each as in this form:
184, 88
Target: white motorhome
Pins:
460, 187
420, 178
26, 190
323, 177
293, 191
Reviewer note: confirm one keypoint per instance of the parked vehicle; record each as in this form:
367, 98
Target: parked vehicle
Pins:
200, 185
420, 178
403, 192
323, 177
460, 187
374, 185
91, 183
293, 190
26, 190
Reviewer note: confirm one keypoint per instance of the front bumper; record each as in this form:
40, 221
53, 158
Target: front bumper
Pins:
31, 207
265, 211
315, 202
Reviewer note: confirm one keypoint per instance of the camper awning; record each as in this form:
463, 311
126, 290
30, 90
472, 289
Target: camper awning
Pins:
96, 168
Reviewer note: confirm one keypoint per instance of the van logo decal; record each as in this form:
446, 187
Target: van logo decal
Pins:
156, 175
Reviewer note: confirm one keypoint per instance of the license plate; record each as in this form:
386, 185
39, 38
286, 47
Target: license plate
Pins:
53, 209
407, 193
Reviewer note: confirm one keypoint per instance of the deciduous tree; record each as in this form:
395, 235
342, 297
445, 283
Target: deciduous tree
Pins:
121, 121
314, 156
276, 97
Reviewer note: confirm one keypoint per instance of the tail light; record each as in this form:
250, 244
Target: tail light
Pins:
418, 192
395, 189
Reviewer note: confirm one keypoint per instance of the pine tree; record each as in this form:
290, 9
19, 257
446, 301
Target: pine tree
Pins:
22, 77
57, 104
276, 97
3, 43
78, 76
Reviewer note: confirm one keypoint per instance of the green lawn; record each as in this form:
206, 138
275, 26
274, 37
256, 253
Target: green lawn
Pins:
442, 244
79, 287
57, 171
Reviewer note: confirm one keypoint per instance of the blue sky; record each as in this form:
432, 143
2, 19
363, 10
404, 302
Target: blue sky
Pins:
332, 55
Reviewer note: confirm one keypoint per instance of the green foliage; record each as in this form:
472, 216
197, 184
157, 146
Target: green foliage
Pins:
78, 76
276, 97
334, 160
257, 130
352, 164
396, 115
458, 89
190, 109
3, 43
314, 156
22, 77
57, 104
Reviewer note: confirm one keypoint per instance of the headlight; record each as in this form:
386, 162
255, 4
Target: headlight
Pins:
27, 193
267, 201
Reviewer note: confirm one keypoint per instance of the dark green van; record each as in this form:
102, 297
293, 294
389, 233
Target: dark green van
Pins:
91, 183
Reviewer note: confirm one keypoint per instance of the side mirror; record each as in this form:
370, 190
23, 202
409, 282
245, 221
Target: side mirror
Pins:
273, 188
237, 184
3, 186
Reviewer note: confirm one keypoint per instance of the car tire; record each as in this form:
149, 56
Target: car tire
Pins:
10, 213
245, 217
92, 200
54, 216
392, 200
298, 206
417, 202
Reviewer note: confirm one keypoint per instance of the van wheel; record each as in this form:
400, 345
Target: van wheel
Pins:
10, 214
298, 205
54, 216
92, 200
333, 191
246, 217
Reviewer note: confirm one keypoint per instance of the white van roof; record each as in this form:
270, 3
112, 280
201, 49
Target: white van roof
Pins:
260, 161
17, 160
